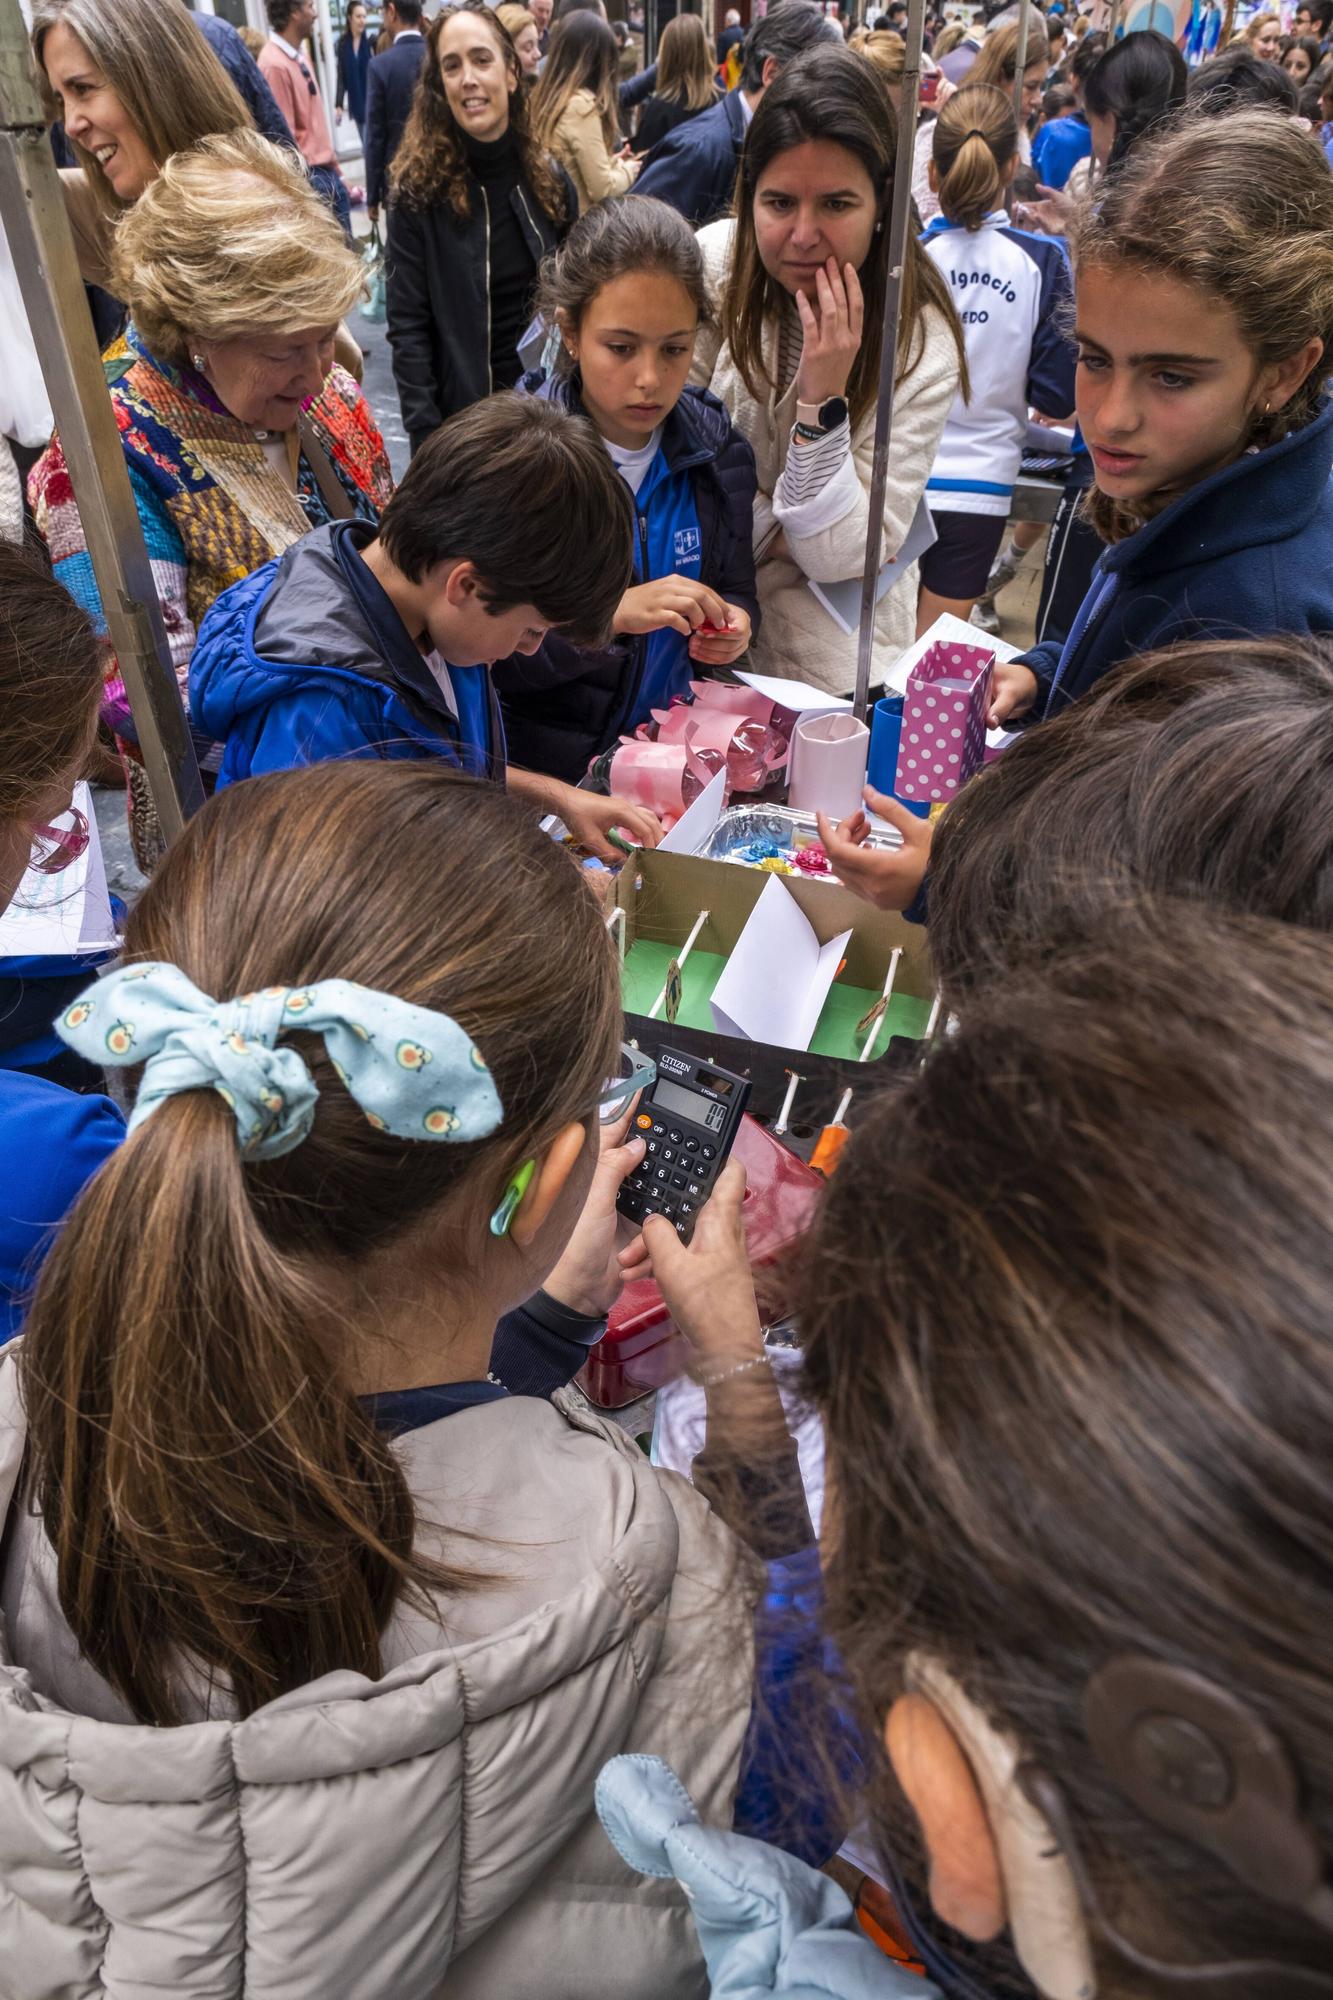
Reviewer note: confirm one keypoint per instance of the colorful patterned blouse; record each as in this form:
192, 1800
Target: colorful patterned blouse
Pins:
212, 506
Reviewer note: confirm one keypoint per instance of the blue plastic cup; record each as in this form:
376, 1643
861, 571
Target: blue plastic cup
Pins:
886, 728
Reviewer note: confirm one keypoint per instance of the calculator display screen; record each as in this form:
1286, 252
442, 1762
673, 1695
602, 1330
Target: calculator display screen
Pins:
684, 1103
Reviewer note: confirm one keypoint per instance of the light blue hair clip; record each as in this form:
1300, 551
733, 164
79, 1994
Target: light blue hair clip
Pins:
414, 1073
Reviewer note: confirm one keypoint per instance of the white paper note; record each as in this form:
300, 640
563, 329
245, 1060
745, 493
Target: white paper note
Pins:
777, 979
66, 914
694, 828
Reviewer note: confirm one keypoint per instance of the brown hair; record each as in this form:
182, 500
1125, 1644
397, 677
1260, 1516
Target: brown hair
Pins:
611, 240
976, 136
528, 493
833, 94
997, 62
50, 680
1066, 1319
216, 1496
1203, 771
582, 55
229, 239
170, 84
686, 69
1237, 209
431, 164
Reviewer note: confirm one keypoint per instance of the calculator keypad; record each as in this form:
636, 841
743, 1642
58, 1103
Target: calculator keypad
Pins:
673, 1178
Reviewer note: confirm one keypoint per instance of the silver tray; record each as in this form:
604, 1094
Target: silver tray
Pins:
783, 826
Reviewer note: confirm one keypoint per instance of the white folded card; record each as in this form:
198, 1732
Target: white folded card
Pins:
691, 831
66, 914
842, 600
777, 979
802, 697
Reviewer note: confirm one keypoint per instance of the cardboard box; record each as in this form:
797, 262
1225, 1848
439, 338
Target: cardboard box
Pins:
661, 896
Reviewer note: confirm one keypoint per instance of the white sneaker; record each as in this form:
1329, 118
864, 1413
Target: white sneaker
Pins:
1005, 568
985, 615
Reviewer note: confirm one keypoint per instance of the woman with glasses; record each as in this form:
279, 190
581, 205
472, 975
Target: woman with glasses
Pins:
51, 1138
287, 1528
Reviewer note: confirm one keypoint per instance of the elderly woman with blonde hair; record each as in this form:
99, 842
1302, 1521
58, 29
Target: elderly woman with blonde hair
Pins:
239, 430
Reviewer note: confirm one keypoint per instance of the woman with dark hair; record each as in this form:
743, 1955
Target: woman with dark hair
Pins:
354, 52
799, 273
1301, 57
575, 108
475, 204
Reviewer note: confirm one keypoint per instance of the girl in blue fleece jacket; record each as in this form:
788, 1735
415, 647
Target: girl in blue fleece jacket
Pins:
1203, 289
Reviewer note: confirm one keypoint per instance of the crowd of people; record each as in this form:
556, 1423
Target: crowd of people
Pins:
344, 1650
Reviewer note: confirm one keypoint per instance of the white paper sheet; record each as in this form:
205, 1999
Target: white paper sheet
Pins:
842, 600
800, 696
695, 825
66, 914
777, 978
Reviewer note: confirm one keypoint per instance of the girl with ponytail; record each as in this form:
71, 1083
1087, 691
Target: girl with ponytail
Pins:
337, 1619
1012, 293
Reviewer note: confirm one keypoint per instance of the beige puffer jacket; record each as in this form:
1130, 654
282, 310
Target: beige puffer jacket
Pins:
430, 1833
826, 537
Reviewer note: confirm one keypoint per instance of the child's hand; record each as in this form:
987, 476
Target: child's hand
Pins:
707, 1283
1013, 691
719, 649
832, 334
887, 877
675, 601
591, 818
591, 1272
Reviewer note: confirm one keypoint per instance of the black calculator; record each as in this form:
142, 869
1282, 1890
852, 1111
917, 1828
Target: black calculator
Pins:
688, 1120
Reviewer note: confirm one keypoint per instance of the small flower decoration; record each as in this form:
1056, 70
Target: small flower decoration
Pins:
120, 1037
76, 1015
441, 1119
411, 1055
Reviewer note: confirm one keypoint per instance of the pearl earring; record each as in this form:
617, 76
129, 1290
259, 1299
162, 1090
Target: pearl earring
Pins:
197, 361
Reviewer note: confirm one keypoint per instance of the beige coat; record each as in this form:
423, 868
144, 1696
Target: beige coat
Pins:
579, 144
426, 1836
825, 539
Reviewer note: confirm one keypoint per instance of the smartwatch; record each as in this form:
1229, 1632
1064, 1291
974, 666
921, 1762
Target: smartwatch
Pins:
816, 420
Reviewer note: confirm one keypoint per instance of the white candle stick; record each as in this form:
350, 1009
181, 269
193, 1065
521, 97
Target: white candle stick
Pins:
885, 997
681, 957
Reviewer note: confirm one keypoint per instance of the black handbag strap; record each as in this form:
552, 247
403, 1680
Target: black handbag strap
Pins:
327, 480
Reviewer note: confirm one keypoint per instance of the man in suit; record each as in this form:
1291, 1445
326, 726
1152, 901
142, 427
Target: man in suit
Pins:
694, 167
392, 82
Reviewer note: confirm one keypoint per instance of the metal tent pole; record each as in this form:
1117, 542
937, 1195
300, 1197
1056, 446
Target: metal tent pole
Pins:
1020, 62
900, 221
32, 213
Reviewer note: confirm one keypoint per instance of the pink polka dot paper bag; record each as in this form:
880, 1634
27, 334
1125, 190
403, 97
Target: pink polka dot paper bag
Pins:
943, 738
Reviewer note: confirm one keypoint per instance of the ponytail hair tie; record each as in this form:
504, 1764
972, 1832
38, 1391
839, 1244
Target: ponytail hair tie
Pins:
975, 133
413, 1072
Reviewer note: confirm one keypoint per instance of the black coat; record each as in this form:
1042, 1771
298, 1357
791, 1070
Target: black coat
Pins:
694, 167
661, 115
391, 83
564, 705
436, 293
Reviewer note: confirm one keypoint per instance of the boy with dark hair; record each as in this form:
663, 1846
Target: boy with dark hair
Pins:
1061, 144
510, 522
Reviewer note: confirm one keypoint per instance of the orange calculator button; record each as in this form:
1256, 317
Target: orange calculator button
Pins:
644, 1122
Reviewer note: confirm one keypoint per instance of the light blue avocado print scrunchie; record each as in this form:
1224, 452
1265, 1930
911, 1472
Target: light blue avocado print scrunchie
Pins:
414, 1073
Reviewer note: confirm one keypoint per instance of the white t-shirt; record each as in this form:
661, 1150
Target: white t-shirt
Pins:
633, 465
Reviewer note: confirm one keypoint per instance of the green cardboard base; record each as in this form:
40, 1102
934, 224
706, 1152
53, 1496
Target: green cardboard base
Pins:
645, 974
